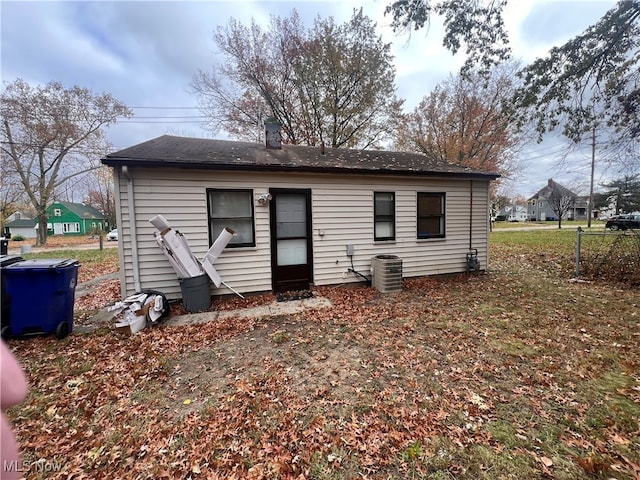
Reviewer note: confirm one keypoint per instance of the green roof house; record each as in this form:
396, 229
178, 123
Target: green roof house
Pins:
66, 218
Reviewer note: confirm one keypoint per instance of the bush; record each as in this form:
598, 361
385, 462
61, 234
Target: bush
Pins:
17, 238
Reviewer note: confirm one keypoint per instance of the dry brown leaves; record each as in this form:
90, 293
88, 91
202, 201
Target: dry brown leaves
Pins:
464, 378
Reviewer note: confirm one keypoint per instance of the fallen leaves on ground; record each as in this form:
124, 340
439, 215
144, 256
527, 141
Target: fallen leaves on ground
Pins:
514, 374
86, 306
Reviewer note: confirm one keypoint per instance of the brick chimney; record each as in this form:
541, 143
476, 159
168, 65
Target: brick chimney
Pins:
273, 137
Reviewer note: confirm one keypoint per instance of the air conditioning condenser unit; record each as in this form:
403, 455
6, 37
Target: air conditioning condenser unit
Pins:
386, 273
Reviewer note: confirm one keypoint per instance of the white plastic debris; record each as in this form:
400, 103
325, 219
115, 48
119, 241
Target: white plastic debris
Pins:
176, 248
136, 311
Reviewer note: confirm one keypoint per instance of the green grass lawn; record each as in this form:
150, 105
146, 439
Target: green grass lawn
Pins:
567, 224
562, 241
93, 263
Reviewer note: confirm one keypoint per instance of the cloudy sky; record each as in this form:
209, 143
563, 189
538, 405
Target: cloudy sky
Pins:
145, 54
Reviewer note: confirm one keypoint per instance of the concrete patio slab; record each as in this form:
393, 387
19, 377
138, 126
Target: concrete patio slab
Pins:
105, 317
273, 309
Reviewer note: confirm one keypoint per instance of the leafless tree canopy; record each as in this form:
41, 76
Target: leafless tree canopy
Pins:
560, 199
331, 84
51, 134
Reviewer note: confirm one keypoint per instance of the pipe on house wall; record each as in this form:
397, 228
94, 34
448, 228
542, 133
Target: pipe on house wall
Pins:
470, 214
132, 228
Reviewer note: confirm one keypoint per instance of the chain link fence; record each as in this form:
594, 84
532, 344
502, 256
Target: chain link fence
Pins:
609, 256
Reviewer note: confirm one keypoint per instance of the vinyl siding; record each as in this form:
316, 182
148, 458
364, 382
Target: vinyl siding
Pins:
342, 209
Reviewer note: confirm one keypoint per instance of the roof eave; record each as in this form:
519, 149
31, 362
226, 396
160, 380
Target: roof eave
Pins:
144, 163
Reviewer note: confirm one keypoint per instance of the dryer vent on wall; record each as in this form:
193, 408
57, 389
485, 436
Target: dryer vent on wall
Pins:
386, 273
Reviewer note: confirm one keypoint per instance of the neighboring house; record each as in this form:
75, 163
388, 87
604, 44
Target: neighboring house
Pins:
25, 227
514, 213
539, 207
16, 216
67, 218
580, 210
304, 216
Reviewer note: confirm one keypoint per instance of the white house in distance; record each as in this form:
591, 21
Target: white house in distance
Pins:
303, 216
514, 213
21, 225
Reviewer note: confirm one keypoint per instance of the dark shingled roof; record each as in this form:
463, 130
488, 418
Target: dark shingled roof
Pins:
201, 153
21, 223
551, 187
83, 211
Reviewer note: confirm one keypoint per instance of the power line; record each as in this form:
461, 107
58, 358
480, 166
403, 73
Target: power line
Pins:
167, 108
554, 154
179, 117
123, 122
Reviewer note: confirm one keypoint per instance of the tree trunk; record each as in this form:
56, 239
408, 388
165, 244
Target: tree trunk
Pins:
41, 237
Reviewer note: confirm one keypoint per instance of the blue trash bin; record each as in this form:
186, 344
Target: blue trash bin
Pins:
40, 295
5, 261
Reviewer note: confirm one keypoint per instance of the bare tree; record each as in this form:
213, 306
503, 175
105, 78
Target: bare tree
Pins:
99, 185
560, 199
345, 80
51, 134
255, 81
11, 192
332, 84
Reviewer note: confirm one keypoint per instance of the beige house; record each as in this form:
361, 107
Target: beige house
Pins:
303, 216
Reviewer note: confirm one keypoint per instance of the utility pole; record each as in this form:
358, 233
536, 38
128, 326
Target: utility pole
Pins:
593, 164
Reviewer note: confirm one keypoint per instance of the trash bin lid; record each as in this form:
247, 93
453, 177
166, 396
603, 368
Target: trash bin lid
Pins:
6, 260
43, 264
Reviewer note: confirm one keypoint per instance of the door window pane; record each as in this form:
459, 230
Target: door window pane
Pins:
292, 252
291, 216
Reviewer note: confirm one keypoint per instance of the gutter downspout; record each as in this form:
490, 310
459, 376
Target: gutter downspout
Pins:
470, 214
134, 240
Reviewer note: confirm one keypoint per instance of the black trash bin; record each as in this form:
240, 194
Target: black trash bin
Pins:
40, 295
4, 246
6, 260
196, 293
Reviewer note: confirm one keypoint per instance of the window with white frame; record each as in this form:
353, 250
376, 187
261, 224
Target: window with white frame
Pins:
57, 212
233, 209
384, 215
71, 227
431, 215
